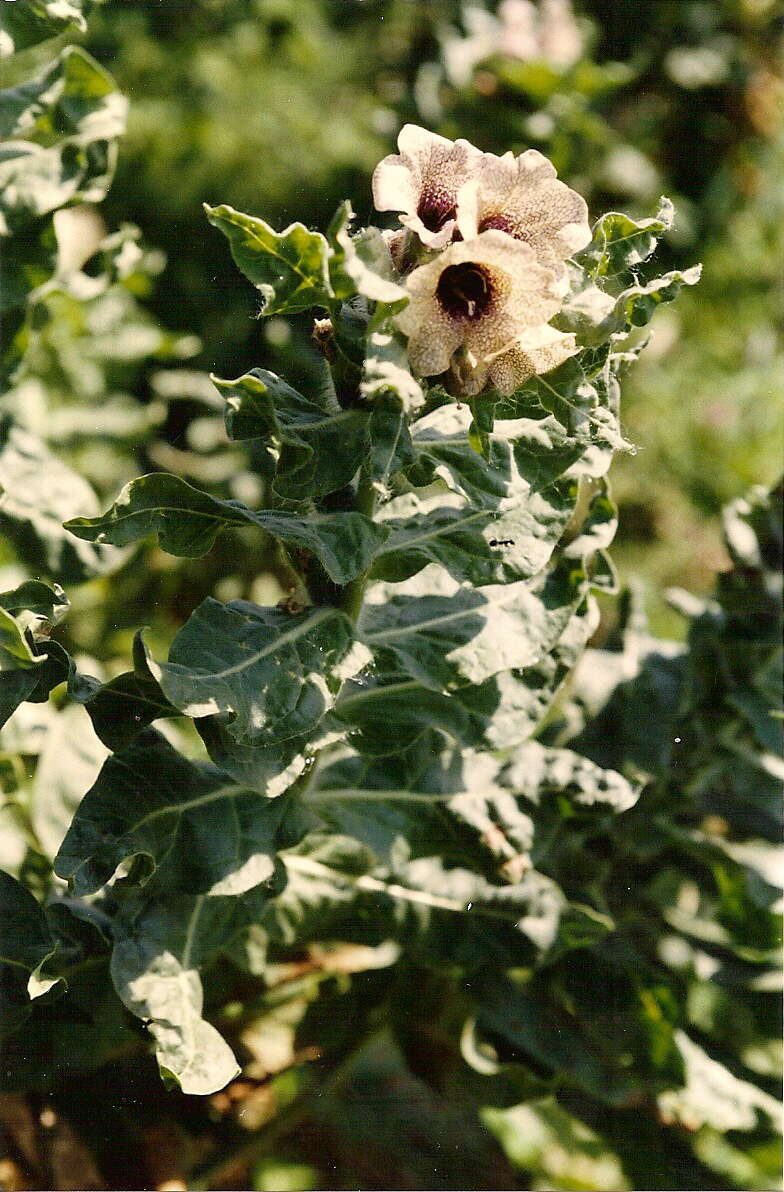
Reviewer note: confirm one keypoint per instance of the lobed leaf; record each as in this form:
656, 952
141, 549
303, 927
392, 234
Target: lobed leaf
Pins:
36, 604
191, 827
538, 771
121, 708
361, 264
620, 243
70, 118
289, 268
187, 521
265, 669
160, 949
318, 451
446, 636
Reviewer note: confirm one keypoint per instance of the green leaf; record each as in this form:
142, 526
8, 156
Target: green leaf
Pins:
15, 652
70, 118
35, 604
620, 243
68, 765
15, 687
25, 944
636, 306
548, 1034
446, 636
31, 21
188, 520
195, 830
121, 708
390, 440
267, 768
25, 939
289, 268
160, 949
319, 451
73, 96
433, 798
713, 1095
386, 369
52, 666
265, 669
538, 772
485, 521
336, 885
38, 492
360, 264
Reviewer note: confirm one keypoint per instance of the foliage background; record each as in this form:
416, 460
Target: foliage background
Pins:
281, 108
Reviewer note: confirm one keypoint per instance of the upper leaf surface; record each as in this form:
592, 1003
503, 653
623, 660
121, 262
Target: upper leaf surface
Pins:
25, 939
360, 264
619, 243
198, 831
263, 667
32, 21
487, 521
38, 492
25, 944
188, 520
161, 946
319, 451
65, 126
289, 268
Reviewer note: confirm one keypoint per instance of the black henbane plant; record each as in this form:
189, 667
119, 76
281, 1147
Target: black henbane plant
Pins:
377, 771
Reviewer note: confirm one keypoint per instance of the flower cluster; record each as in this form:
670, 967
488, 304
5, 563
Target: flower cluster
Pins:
482, 254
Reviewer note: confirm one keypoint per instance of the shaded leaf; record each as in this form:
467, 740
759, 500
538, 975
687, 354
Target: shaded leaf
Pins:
33, 21
188, 520
197, 831
25, 944
360, 264
159, 951
121, 708
319, 451
45, 605
38, 493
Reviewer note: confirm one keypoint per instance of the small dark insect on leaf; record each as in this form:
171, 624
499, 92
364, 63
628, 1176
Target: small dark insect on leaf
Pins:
501, 542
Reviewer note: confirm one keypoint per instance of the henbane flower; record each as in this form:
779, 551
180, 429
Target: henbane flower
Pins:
422, 182
481, 298
523, 197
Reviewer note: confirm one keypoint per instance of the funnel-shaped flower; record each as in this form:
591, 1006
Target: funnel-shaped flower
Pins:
422, 182
523, 197
479, 296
